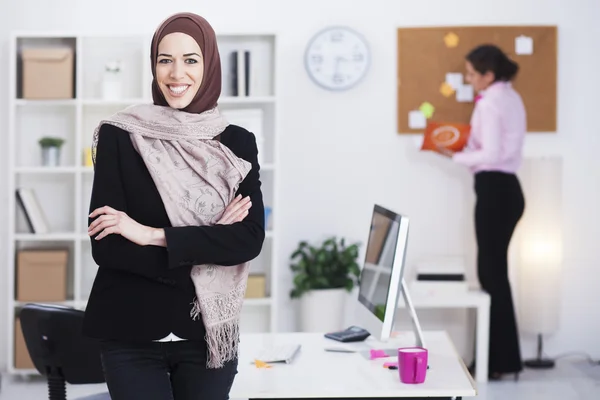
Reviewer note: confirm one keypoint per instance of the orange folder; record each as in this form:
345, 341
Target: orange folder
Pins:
448, 135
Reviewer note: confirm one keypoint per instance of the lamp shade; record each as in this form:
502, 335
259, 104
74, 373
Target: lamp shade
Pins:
541, 245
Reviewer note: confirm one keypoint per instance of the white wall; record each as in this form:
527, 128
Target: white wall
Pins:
339, 157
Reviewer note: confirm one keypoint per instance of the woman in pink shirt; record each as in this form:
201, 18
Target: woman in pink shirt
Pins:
493, 153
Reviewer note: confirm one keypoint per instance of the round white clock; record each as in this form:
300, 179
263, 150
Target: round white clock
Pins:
337, 58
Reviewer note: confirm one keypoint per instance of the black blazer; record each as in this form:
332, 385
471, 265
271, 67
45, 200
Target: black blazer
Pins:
143, 293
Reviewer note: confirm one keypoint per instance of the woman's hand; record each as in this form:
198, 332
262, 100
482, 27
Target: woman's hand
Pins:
445, 152
111, 221
236, 211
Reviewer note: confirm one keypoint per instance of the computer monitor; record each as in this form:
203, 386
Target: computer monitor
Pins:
381, 280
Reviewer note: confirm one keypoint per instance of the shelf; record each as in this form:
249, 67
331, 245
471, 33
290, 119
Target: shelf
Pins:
258, 302
24, 372
58, 236
45, 102
66, 303
116, 102
246, 100
46, 170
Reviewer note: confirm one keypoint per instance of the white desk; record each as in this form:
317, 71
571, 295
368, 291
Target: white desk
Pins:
315, 373
477, 299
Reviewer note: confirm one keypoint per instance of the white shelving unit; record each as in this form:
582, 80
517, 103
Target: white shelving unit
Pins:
64, 191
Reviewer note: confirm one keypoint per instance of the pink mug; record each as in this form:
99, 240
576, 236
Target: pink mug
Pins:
412, 364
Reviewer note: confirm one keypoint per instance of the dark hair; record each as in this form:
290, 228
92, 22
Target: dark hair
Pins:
488, 57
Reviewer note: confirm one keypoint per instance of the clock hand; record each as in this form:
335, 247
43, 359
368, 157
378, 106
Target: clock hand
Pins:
337, 64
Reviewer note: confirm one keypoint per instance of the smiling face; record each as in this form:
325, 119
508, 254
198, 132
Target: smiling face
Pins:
478, 80
179, 69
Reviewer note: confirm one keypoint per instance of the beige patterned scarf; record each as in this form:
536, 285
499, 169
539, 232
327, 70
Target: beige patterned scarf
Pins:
197, 177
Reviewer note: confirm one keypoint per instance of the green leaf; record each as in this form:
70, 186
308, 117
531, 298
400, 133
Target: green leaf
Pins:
51, 142
349, 284
327, 265
300, 280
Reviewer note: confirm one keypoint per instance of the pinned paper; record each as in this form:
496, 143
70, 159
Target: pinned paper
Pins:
427, 109
454, 79
451, 40
465, 94
446, 89
417, 120
524, 45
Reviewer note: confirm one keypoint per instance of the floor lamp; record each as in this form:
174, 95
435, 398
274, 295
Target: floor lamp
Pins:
540, 251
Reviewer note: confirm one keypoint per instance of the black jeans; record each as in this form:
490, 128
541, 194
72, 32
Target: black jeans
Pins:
500, 205
164, 371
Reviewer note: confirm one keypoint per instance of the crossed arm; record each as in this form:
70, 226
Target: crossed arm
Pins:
120, 242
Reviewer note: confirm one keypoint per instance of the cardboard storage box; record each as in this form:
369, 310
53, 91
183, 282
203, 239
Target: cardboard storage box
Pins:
257, 287
22, 357
47, 73
42, 275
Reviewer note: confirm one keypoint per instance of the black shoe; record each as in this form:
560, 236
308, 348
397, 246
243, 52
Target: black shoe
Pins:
498, 376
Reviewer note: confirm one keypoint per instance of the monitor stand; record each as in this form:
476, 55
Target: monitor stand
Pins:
416, 327
414, 319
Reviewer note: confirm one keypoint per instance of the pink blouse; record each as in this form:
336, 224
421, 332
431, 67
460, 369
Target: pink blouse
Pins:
498, 127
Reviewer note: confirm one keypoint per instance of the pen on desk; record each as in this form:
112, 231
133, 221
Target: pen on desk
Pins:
339, 350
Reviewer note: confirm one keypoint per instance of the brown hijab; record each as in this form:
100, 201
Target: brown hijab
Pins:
198, 28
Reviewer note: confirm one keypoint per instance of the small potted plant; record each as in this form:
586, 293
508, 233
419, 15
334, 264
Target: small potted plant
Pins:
51, 150
323, 275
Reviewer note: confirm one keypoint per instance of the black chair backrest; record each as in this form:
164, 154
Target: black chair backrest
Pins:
55, 341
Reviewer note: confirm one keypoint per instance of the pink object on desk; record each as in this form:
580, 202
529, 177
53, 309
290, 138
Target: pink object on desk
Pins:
412, 364
378, 354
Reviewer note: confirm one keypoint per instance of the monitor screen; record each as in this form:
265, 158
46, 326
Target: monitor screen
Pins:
379, 259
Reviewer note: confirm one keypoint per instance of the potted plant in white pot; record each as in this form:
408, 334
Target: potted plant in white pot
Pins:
51, 150
324, 275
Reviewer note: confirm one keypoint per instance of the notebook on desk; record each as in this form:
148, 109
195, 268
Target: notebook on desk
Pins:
283, 353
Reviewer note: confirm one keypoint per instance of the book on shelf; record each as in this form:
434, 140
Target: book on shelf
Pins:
34, 215
241, 73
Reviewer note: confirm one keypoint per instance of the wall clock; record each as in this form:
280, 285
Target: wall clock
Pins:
337, 58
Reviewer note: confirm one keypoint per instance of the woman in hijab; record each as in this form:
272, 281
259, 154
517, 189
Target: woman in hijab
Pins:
176, 215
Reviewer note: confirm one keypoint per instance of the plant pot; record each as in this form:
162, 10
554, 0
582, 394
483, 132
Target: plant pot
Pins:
51, 156
323, 310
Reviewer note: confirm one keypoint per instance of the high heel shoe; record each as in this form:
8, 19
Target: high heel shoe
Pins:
498, 376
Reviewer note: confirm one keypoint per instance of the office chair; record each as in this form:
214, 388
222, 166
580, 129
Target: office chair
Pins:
59, 350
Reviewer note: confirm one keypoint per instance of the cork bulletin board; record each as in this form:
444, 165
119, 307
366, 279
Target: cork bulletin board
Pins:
427, 55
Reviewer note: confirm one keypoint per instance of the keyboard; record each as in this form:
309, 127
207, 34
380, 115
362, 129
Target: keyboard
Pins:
278, 353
